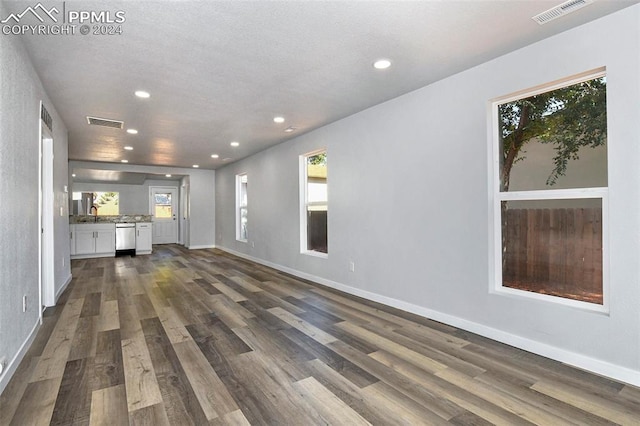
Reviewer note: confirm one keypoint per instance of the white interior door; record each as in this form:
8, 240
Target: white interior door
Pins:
163, 204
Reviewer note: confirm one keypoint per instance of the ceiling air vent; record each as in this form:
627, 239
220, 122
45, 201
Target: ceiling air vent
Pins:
560, 10
105, 122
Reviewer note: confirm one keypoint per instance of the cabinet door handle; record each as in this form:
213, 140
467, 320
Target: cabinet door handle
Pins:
138, 232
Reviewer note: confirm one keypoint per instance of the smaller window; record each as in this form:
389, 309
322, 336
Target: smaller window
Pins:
241, 207
314, 196
163, 208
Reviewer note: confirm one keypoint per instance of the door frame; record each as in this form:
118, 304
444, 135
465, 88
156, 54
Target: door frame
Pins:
175, 204
184, 211
46, 262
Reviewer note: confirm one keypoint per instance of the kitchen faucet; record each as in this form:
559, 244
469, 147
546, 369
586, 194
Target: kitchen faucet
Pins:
96, 215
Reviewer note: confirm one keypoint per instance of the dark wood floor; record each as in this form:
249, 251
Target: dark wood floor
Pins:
201, 337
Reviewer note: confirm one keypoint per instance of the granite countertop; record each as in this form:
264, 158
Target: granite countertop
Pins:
123, 218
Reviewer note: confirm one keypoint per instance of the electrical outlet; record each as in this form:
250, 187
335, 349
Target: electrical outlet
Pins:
253, 244
24, 303
352, 266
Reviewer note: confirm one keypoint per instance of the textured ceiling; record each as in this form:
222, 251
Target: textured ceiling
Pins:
219, 71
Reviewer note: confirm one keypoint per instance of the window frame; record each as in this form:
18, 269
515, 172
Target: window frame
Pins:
496, 197
305, 204
240, 206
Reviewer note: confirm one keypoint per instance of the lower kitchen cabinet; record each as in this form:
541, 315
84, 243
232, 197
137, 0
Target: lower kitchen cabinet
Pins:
144, 237
93, 240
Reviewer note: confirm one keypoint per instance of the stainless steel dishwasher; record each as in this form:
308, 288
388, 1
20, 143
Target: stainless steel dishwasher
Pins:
125, 238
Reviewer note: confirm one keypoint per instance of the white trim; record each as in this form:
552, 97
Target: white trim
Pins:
616, 372
12, 366
316, 254
63, 288
553, 85
302, 201
92, 255
206, 246
553, 194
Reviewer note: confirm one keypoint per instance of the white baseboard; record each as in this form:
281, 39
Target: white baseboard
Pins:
11, 368
206, 246
603, 368
63, 288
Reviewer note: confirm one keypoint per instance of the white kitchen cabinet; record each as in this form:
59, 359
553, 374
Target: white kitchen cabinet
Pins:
94, 240
144, 236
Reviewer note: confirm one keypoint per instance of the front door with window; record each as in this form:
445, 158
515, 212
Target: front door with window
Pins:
163, 204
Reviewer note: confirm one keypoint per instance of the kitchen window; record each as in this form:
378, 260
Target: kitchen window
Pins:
314, 203
550, 192
105, 203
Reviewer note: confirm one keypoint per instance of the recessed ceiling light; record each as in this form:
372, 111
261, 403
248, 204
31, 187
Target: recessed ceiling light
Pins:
128, 148
168, 175
382, 64
215, 156
73, 175
195, 166
289, 129
234, 144
132, 131
278, 119
142, 94
124, 161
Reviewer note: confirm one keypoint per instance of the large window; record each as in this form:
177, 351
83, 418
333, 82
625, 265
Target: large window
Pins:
241, 207
314, 203
550, 192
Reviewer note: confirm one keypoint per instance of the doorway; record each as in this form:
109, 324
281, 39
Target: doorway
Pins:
163, 205
47, 291
184, 212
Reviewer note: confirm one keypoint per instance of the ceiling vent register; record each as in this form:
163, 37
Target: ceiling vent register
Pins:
560, 10
105, 122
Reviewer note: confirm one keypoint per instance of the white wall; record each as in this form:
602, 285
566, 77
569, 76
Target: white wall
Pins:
20, 96
201, 221
409, 202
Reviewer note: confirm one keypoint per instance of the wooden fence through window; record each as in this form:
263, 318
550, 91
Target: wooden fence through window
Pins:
554, 251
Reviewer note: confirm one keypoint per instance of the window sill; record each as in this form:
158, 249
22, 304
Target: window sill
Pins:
316, 254
571, 303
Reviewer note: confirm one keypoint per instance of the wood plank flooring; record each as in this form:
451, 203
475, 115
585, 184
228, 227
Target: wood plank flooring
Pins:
205, 338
